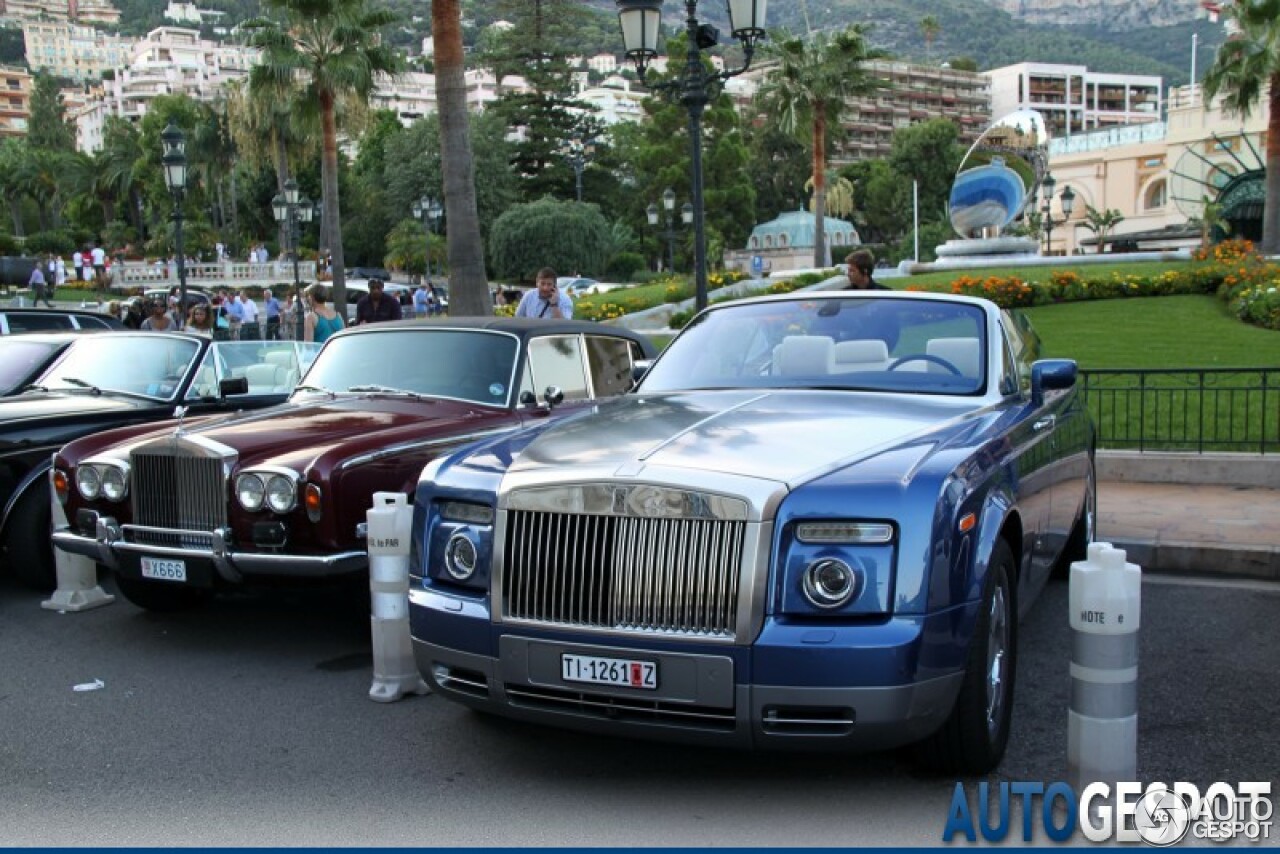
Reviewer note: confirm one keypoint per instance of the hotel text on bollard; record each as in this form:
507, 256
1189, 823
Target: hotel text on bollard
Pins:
1102, 723
395, 673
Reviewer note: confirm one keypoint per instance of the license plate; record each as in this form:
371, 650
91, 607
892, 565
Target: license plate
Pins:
164, 570
624, 672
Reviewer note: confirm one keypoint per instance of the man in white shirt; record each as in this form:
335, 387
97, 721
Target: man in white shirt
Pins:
546, 300
77, 261
249, 310
99, 256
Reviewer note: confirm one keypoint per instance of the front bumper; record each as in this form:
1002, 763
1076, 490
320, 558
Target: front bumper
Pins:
111, 547
705, 695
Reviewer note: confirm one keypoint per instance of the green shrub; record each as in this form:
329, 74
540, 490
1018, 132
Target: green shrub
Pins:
8, 244
624, 265
50, 243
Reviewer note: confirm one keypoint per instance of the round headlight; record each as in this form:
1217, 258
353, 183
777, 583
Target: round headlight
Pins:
89, 482
114, 485
829, 583
250, 492
460, 557
282, 495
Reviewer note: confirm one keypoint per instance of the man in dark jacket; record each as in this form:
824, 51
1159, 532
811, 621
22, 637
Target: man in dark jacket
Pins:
376, 306
861, 263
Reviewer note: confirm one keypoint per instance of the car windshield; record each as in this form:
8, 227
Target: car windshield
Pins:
270, 367
877, 343
462, 364
147, 364
18, 358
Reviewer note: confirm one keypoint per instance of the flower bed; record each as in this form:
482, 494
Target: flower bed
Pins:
1232, 270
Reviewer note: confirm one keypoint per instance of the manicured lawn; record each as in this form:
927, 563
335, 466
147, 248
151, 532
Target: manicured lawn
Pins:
1154, 332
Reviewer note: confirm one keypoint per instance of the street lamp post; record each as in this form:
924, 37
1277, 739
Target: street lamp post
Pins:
175, 178
293, 209
1046, 210
640, 21
669, 231
578, 152
428, 210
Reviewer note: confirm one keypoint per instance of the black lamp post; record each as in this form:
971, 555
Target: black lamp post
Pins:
578, 152
428, 210
175, 177
293, 209
640, 21
669, 231
1046, 210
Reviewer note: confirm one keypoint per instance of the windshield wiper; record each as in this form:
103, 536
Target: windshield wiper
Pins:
82, 384
320, 389
382, 389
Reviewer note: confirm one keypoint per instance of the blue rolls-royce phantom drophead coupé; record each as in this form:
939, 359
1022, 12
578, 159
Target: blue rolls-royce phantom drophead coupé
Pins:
814, 523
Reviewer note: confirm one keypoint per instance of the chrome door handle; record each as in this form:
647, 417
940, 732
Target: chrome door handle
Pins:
1045, 423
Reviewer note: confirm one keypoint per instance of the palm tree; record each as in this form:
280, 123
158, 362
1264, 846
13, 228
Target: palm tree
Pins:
324, 52
12, 152
807, 92
929, 28
1248, 64
121, 165
1101, 222
468, 282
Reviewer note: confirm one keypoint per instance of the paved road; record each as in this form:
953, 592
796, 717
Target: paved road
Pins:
248, 723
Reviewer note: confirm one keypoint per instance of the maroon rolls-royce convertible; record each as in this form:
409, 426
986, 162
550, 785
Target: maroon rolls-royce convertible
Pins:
180, 512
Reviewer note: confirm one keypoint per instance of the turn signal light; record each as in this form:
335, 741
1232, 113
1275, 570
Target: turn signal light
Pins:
61, 485
311, 498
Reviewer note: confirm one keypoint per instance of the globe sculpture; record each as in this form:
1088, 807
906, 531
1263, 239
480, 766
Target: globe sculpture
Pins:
996, 181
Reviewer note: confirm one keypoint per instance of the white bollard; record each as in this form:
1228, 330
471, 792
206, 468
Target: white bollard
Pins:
77, 576
395, 673
1102, 722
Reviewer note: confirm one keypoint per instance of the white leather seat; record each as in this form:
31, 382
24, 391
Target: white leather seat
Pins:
804, 355
961, 352
871, 355
265, 379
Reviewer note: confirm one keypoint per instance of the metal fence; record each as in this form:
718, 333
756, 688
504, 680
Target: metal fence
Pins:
1207, 409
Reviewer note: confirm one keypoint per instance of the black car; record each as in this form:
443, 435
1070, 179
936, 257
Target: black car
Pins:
14, 321
23, 358
102, 382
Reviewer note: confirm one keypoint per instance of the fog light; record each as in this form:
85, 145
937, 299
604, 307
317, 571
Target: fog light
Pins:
829, 583
89, 482
460, 557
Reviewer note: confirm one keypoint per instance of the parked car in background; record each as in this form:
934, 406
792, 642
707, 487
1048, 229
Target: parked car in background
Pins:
107, 381
366, 273
283, 494
814, 524
14, 321
357, 288
577, 286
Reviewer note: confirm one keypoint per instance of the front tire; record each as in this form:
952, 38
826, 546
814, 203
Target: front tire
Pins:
30, 552
974, 737
161, 596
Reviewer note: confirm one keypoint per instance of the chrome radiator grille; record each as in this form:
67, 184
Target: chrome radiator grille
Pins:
177, 490
620, 572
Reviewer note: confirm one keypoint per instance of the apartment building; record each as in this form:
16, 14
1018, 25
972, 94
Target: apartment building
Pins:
168, 61
413, 94
84, 11
15, 101
1074, 99
73, 50
907, 94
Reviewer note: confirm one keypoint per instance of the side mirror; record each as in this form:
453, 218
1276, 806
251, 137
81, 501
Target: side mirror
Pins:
234, 385
1049, 374
639, 369
553, 396
528, 398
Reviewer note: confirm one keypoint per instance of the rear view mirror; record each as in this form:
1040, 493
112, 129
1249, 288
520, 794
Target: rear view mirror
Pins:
234, 385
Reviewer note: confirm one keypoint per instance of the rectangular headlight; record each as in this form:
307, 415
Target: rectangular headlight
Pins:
465, 511
844, 532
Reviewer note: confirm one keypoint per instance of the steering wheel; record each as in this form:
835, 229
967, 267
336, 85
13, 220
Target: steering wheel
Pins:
925, 357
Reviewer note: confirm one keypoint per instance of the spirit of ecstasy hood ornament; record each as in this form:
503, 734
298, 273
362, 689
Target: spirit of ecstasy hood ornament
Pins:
179, 412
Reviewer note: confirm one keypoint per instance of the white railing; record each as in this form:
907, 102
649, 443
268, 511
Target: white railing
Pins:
215, 274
